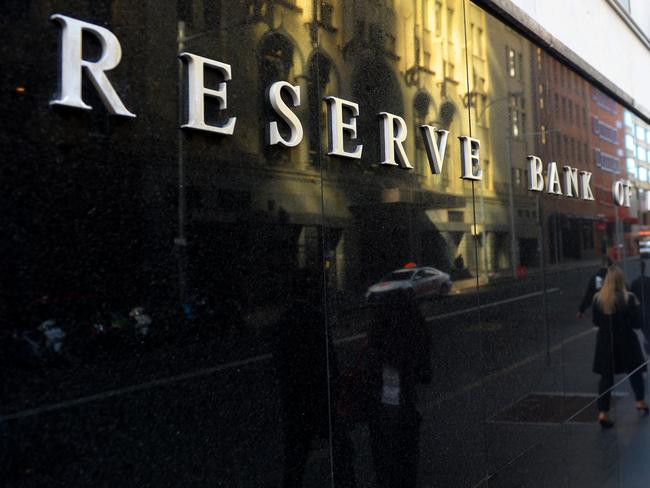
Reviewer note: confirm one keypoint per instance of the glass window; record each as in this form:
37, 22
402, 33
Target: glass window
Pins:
643, 174
400, 275
640, 133
629, 142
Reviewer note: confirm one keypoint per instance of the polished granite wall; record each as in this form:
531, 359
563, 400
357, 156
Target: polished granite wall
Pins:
221, 313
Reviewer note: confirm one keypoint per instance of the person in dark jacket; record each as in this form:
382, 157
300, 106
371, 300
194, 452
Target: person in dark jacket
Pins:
641, 288
400, 346
595, 284
616, 314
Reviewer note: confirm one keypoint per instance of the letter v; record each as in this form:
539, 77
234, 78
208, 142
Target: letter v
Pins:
435, 152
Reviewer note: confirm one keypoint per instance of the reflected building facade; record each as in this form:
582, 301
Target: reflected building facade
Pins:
189, 308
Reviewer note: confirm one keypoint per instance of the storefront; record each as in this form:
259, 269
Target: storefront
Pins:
202, 195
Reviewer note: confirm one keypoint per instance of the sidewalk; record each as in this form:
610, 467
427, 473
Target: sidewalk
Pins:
633, 441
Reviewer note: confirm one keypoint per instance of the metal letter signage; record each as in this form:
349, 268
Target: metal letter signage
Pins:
281, 108
435, 152
570, 181
337, 127
72, 63
622, 191
391, 143
553, 184
197, 93
393, 128
469, 158
576, 183
535, 176
585, 188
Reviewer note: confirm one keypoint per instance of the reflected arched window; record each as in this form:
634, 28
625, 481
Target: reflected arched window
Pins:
319, 72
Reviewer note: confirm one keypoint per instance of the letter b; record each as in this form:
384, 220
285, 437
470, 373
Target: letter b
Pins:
535, 174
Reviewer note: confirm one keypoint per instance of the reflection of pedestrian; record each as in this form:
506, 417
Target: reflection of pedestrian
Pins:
400, 347
616, 314
641, 288
308, 374
459, 263
595, 284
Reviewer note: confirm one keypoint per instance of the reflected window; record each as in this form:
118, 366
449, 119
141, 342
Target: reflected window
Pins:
438, 19
327, 15
603, 101
629, 142
643, 174
631, 166
511, 62
542, 134
641, 154
628, 119
606, 162
476, 36
640, 133
605, 131
517, 115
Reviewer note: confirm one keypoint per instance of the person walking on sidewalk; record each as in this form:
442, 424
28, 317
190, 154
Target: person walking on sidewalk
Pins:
595, 283
641, 288
616, 314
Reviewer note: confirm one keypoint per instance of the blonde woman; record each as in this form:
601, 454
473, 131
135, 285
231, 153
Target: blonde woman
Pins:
616, 313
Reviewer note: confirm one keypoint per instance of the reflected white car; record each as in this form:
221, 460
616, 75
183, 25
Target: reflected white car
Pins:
644, 249
422, 281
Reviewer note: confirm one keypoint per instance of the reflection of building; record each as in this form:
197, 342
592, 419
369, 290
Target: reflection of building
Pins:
505, 125
562, 109
606, 122
637, 158
407, 59
399, 57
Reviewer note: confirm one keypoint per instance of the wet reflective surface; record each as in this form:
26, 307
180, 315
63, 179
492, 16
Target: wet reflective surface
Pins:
186, 308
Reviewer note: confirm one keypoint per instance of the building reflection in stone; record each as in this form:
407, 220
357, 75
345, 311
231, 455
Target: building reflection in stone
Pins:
203, 282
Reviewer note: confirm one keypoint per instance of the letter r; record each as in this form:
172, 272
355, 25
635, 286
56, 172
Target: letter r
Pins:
72, 65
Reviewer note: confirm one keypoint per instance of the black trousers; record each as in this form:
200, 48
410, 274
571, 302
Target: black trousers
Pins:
394, 440
607, 381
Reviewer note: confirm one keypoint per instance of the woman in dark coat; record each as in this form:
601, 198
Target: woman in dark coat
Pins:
616, 314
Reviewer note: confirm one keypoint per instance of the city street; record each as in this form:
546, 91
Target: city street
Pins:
148, 410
